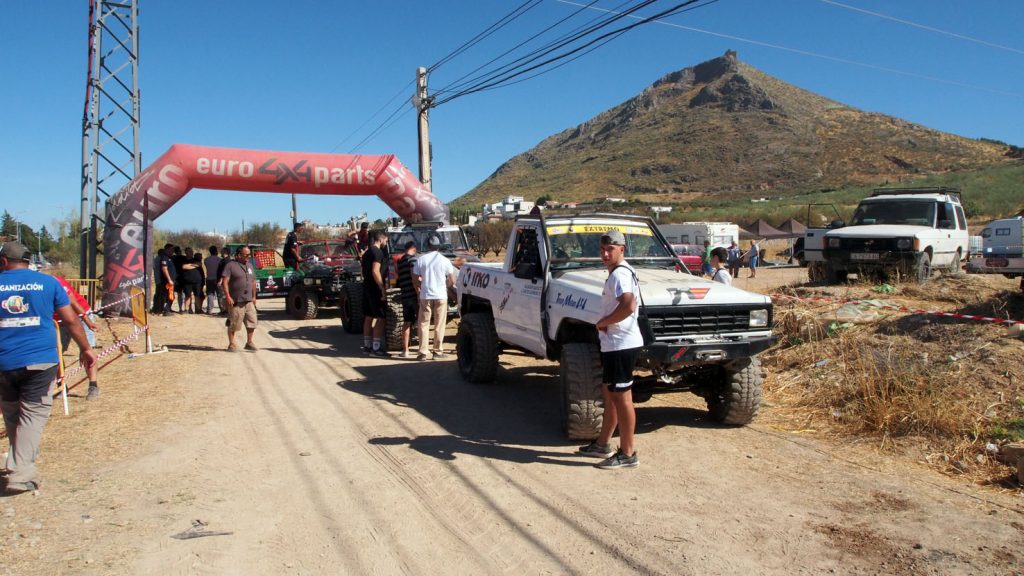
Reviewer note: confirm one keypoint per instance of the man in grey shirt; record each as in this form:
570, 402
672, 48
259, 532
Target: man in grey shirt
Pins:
239, 282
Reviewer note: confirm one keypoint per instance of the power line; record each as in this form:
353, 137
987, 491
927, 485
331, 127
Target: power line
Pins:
455, 83
564, 40
372, 116
922, 26
384, 124
825, 56
502, 78
501, 23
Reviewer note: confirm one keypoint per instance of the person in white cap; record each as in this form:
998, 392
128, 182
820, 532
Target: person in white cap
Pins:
621, 341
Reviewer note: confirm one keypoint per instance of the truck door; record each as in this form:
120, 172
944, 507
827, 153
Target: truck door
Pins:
518, 311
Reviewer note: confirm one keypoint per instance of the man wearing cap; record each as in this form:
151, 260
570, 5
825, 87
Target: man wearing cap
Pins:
432, 274
621, 342
410, 301
374, 265
29, 357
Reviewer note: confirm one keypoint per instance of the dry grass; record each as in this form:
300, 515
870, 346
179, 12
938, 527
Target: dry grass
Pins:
939, 389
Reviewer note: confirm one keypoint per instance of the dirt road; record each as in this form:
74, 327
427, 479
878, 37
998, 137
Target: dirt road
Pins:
308, 457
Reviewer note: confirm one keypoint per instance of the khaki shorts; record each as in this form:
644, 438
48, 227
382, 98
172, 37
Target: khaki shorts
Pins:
244, 314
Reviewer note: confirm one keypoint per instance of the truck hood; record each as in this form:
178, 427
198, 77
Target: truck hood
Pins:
878, 231
659, 287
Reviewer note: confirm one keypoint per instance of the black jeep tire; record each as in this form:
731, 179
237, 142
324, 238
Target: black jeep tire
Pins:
736, 397
923, 268
954, 268
816, 272
834, 275
582, 403
476, 346
352, 308
393, 320
302, 304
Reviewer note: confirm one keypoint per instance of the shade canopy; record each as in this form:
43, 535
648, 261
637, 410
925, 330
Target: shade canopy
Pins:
762, 229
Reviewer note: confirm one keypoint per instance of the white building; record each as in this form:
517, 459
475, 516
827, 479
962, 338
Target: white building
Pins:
508, 208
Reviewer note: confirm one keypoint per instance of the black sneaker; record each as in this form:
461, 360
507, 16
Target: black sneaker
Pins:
596, 450
366, 349
20, 487
619, 460
379, 352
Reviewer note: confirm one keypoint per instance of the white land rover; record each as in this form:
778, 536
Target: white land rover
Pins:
545, 299
906, 232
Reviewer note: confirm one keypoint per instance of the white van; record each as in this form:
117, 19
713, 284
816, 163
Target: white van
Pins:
1003, 237
717, 233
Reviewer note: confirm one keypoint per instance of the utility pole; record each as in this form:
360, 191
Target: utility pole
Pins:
110, 118
295, 213
423, 104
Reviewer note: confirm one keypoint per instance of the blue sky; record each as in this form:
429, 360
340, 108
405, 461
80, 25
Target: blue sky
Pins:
304, 75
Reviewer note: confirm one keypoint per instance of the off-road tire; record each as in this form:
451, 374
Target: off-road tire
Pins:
476, 346
582, 404
352, 308
736, 397
834, 275
302, 304
816, 271
393, 320
954, 268
923, 268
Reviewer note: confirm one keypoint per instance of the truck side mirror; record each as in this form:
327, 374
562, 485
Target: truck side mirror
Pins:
836, 224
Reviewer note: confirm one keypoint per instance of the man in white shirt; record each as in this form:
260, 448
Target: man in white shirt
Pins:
432, 274
621, 341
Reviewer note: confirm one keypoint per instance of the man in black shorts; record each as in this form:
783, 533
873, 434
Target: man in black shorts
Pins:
410, 299
621, 342
375, 267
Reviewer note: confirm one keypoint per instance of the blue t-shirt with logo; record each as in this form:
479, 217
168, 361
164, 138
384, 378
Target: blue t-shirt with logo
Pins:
28, 300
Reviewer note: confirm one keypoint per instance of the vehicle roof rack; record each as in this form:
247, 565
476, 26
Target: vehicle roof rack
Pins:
909, 191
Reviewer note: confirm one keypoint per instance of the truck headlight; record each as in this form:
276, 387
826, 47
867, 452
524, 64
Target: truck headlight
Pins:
904, 243
308, 281
833, 242
759, 317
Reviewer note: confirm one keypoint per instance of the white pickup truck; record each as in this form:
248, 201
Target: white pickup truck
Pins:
905, 232
545, 299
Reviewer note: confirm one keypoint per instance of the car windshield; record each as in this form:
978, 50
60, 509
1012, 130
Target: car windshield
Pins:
908, 212
451, 240
575, 245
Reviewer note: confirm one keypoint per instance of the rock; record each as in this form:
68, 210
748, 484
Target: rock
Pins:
1011, 454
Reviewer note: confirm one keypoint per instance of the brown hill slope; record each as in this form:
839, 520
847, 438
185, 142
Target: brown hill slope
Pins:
725, 127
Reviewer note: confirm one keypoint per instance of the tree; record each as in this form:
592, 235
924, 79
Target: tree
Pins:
268, 234
8, 227
543, 200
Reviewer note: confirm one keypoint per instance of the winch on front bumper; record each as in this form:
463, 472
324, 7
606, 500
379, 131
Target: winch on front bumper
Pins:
705, 350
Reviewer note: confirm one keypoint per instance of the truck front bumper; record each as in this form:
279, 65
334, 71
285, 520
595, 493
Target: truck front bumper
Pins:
848, 259
669, 353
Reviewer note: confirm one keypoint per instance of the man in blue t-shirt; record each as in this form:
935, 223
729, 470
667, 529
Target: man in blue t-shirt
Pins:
29, 355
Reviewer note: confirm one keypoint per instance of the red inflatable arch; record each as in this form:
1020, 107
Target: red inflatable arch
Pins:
184, 167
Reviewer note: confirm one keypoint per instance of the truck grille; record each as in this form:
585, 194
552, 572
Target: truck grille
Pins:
682, 321
868, 244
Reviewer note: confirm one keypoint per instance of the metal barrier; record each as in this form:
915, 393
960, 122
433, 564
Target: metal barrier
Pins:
90, 288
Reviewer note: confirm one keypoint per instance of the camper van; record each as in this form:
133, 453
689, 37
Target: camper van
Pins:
1002, 249
717, 233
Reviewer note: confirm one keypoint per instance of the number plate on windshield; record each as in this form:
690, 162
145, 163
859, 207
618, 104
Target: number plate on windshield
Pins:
864, 256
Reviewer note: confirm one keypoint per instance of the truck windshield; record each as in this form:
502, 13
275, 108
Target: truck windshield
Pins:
451, 240
575, 245
908, 212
